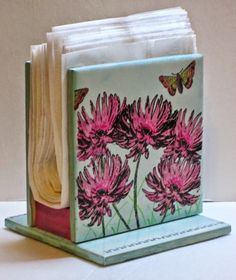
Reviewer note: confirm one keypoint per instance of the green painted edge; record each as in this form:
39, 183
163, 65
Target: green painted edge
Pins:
30, 219
71, 144
201, 59
201, 65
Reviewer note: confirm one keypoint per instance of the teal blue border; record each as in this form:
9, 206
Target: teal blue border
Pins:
135, 63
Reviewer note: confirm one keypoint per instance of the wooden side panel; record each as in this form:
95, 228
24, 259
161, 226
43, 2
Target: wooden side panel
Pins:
74, 217
30, 199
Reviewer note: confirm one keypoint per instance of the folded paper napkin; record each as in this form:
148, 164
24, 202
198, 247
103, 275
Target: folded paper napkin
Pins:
139, 36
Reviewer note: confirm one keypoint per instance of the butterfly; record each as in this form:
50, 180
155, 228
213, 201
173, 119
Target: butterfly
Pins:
79, 96
177, 81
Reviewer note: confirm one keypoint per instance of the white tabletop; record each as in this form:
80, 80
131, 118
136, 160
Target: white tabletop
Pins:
24, 258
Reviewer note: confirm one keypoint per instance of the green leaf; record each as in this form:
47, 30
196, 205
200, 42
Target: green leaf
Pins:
113, 216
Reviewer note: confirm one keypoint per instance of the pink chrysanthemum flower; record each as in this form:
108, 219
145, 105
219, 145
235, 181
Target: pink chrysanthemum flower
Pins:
140, 128
94, 133
188, 137
107, 184
173, 182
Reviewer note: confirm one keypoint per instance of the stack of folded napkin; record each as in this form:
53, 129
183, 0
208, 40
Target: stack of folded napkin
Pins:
139, 36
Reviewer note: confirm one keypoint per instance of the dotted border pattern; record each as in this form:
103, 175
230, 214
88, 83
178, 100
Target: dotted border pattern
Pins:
161, 237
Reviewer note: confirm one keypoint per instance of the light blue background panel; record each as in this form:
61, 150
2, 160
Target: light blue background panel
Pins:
131, 80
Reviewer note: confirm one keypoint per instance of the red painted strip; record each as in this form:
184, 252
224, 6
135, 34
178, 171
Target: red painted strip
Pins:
56, 221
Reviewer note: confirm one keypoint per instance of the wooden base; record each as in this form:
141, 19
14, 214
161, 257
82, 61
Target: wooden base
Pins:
129, 245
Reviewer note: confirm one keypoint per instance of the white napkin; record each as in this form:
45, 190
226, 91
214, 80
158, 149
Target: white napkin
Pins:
139, 36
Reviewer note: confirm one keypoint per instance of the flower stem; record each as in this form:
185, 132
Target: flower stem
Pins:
102, 163
120, 216
135, 192
103, 227
103, 222
163, 218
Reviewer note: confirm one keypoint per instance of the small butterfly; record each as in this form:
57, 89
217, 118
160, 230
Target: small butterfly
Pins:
176, 81
79, 96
